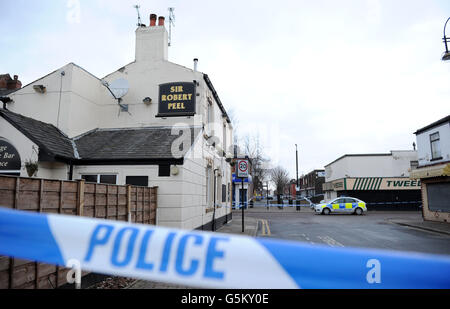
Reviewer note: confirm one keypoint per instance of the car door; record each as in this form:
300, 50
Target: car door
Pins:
350, 205
337, 205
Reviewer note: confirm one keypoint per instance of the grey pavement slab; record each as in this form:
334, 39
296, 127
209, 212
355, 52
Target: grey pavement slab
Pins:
438, 227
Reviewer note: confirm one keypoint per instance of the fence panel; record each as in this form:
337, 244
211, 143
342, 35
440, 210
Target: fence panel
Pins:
113, 202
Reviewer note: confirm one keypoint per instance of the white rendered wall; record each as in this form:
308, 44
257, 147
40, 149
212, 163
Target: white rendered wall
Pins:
424, 146
394, 165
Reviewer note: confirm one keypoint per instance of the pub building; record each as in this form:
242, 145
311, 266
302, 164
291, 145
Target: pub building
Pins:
150, 123
381, 180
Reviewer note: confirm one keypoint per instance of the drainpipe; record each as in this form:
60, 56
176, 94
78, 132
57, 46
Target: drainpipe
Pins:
70, 171
214, 202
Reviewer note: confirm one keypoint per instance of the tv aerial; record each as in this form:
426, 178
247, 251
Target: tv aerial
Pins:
137, 7
171, 23
118, 89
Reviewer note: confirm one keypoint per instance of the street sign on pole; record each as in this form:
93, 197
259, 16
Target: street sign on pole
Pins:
242, 168
242, 172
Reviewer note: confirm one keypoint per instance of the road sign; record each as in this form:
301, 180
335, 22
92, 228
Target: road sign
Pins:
242, 168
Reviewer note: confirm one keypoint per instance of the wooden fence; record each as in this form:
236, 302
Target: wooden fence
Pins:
112, 202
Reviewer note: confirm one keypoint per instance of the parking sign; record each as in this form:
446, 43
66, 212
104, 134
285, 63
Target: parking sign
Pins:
242, 168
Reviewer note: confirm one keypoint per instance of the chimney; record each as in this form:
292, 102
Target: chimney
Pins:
152, 20
161, 21
152, 42
13, 83
195, 64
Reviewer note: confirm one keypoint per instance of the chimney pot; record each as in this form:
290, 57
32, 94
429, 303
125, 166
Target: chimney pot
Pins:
152, 20
161, 20
16, 77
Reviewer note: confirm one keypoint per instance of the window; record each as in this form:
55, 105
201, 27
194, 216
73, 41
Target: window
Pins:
435, 146
208, 186
210, 115
224, 193
107, 179
438, 196
90, 178
111, 179
137, 181
224, 142
164, 170
414, 164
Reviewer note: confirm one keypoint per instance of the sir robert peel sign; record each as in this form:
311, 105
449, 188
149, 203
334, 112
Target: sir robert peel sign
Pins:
176, 99
10, 162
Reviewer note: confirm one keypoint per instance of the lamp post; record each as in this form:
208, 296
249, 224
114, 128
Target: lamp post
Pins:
446, 55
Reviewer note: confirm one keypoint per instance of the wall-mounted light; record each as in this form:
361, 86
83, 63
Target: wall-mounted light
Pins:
174, 170
147, 100
39, 88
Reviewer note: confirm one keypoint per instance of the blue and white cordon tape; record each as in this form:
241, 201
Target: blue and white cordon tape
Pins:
211, 260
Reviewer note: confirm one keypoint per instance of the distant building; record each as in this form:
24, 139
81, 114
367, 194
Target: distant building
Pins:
381, 180
311, 185
433, 171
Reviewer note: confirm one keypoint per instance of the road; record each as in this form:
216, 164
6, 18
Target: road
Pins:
372, 230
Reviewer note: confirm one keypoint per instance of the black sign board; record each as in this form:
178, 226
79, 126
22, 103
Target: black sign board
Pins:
176, 99
10, 162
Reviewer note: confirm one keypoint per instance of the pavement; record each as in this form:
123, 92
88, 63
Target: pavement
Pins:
431, 226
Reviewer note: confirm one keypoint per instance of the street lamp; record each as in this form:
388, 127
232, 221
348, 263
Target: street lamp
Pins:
446, 55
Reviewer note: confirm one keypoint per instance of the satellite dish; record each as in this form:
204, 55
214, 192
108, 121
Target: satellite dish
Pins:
119, 88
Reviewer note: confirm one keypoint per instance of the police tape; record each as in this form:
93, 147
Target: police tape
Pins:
210, 260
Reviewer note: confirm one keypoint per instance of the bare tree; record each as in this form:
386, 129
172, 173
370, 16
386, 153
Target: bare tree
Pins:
280, 178
253, 148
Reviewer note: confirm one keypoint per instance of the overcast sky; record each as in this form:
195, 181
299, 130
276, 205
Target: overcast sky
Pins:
335, 77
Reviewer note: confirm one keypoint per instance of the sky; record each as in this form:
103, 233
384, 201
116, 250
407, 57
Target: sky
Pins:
333, 77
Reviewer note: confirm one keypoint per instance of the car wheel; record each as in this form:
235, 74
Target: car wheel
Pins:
358, 211
326, 211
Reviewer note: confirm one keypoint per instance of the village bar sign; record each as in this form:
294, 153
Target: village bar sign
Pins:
10, 162
176, 99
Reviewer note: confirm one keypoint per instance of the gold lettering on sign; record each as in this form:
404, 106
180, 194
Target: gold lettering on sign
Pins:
176, 95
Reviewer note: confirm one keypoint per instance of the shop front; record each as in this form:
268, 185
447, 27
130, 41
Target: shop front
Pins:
379, 193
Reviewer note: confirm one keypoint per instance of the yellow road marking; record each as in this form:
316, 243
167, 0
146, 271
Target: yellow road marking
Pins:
268, 229
265, 230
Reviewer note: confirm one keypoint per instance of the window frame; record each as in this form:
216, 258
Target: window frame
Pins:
98, 177
433, 142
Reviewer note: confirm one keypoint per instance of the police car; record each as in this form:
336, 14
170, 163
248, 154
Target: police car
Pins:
349, 205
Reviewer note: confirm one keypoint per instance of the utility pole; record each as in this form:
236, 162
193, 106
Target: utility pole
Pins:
297, 186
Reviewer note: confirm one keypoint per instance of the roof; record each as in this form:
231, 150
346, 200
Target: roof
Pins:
45, 135
216, 97
132, 143
434, 124
361, 155
103, 145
